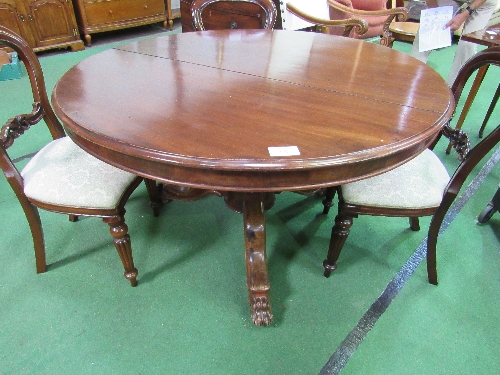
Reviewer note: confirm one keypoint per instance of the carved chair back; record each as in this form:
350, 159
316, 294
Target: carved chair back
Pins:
198, 6
17, 126
44, 181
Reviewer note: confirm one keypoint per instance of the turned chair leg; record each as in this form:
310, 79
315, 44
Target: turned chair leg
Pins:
154, 192
414, 224
121, 239
340, 232
328, 201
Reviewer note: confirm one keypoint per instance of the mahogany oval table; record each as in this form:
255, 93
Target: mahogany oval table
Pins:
249, 113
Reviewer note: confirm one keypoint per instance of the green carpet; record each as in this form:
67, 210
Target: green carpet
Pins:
189, 313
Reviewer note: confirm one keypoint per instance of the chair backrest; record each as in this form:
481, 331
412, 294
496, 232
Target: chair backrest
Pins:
359, 25
379, 18
197, 7
490, 56
17, 126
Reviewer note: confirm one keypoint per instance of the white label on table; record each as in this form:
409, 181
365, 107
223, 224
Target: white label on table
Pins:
284, 151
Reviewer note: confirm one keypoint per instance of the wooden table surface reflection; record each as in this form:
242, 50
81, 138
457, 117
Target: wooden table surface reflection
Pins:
200, 110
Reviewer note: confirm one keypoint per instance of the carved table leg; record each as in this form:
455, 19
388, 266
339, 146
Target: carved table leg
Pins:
470, 98
256, 263
253, 206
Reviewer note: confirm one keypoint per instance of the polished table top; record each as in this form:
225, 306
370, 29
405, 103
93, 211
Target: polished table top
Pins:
217, 100
204, 110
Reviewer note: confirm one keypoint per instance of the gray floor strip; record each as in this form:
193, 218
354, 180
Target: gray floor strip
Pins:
345, 350
21, 158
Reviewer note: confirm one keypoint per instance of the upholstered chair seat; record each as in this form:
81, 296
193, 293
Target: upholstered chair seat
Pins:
63, 174
419, 183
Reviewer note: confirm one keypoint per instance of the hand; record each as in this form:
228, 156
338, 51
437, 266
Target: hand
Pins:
457, 21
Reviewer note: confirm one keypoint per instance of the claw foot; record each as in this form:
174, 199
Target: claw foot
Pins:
261, 311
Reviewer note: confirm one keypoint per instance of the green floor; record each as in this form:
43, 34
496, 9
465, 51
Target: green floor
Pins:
189, 313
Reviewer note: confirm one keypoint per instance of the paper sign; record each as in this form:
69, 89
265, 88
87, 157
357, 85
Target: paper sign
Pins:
432, 34
284, 151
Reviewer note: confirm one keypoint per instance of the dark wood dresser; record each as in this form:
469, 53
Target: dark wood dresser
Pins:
228, 16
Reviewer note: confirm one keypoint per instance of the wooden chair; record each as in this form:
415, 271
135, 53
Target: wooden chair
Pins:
419, 187
61, 177
268, 7
375, 12
351, 25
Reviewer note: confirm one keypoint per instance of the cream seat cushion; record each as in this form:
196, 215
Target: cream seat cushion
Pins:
419, 183
63, 174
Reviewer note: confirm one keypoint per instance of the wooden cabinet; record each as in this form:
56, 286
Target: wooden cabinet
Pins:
95, 16
44, 24
225, 15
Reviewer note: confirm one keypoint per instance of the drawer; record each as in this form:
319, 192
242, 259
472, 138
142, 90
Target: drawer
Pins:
102, 12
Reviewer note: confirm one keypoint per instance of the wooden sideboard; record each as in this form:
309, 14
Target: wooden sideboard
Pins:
228, 16
44, 24
95, 16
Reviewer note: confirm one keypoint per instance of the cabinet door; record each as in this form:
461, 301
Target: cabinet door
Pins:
53, 22
12, 16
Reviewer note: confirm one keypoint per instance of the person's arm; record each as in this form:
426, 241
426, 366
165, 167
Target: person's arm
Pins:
460, 18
